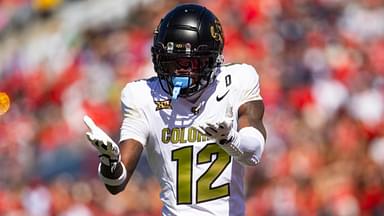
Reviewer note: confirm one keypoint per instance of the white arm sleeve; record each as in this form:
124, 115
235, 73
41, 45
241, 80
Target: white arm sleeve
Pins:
247, 145
134, 125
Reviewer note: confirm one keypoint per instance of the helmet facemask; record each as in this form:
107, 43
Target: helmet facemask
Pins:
194, 71
187, 47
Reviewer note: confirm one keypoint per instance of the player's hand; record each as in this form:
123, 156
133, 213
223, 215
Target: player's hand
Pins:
222, 130
109, 152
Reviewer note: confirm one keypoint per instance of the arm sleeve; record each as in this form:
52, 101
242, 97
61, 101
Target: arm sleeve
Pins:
134, 124
247, 146
252, 145
248, 143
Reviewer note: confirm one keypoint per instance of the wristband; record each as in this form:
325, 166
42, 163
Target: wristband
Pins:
113, 182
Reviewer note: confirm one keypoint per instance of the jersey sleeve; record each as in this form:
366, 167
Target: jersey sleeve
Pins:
134, 124
249, 86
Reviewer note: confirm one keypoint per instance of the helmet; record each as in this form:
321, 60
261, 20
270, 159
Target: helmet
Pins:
187, 46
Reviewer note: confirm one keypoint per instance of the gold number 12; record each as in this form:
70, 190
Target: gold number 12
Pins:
204, 188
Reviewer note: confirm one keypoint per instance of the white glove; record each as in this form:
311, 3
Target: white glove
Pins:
246, 145
109, 152
222, 131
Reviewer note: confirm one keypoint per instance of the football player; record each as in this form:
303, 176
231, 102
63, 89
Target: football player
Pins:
199, 120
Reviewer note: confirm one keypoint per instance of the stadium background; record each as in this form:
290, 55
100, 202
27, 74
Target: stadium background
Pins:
321, 64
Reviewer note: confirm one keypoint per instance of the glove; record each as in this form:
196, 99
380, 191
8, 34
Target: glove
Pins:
222, 131
109, 152
224, 134
246, 146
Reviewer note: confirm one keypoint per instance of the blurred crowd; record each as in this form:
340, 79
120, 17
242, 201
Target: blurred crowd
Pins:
321, 64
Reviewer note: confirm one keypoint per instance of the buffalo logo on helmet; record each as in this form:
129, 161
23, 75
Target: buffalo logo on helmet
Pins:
217, 31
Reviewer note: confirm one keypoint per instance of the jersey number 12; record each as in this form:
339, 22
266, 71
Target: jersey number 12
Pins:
204, 188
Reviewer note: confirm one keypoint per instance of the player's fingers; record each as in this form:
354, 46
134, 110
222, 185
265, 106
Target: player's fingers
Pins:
210, 131
92, 139
90, 123
199, 128
114, 149
89, 136
213, 126
109, 146
103, 144
226, 124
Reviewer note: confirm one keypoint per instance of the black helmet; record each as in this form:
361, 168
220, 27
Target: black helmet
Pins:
189, 38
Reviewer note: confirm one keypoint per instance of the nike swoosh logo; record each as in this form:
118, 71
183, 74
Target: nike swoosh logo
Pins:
221, 97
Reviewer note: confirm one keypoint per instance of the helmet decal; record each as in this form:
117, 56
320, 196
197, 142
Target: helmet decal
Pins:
216, 31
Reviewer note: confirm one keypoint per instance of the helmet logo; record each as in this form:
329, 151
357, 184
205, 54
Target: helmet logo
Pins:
216, 31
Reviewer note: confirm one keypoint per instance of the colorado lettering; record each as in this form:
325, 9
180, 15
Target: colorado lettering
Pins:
182, 135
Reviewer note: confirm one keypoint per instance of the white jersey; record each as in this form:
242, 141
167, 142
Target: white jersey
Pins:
196, 176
